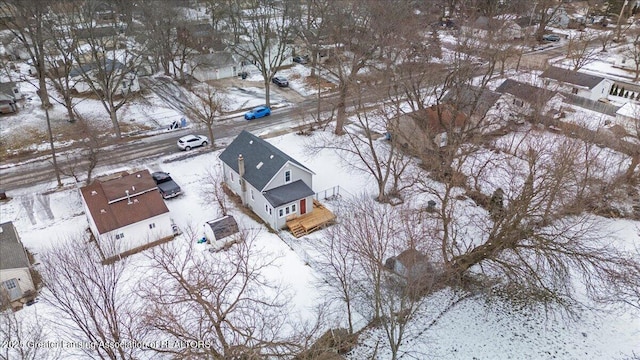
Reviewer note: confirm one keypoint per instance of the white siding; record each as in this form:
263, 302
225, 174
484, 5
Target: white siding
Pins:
139, 234
297, 173
22, 275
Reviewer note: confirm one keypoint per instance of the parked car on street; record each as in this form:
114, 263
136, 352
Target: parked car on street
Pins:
192, 141
167, 187
258, 112
280, 81
551, 37
300, 59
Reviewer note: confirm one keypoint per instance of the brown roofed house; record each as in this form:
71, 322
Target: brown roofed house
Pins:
126, 212
424, 131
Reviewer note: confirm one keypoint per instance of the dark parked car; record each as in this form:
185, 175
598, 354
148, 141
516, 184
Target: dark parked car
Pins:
300, 59
167, 187
258, 112
280, 81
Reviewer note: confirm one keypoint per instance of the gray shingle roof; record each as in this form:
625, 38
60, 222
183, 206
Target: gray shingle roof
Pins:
12, 253
572, 77
288, 193
526, 92
7, 88
109, 66
471, 100
255, 151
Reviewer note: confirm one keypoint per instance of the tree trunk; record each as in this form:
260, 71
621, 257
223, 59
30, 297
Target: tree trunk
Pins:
267, 92
342, 113
114, 121
210, 129
69, 105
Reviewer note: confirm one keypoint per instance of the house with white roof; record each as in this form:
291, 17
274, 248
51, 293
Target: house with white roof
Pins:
628, 116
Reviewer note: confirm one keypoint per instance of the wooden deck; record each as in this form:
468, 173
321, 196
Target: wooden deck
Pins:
312, 221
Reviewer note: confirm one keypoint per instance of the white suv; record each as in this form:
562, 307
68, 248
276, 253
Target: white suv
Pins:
191, 141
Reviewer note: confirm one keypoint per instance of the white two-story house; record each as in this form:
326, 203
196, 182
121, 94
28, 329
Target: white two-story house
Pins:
271, 183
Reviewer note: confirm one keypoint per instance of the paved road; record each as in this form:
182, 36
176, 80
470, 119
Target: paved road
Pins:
32, 170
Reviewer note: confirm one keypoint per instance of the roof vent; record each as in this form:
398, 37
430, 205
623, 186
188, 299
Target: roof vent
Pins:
250, 141
138, 175
133, 188
103, 211
135, 201
93, 192
271, 157
259, 165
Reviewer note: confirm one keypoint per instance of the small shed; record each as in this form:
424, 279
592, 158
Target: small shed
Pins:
217, 230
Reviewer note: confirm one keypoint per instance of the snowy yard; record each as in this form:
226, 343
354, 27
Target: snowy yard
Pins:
473, 329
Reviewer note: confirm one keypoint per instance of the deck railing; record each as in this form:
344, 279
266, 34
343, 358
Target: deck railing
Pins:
332, 193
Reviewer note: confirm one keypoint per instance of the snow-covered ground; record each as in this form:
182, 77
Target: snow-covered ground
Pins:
473, 329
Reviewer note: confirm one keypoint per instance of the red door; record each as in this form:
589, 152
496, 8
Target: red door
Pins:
303, 206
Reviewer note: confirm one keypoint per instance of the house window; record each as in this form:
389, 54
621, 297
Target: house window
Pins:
518, 102
270, 212
287, 176
119, 236
251, 192
266, 208
232, 177
11, 284
152, 225
15, 91
574, 91
280, 212
287, 210
293, 208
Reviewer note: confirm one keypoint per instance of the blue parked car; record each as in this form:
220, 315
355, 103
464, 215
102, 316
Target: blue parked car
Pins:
256, 113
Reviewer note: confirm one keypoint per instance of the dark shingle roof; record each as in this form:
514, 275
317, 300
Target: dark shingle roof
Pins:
572, 77
256, 151
108, 66
526, 92
12, 254
7, 88
288, 193
223, 227
471, 100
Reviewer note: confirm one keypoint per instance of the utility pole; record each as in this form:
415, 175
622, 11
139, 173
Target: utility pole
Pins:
619, 28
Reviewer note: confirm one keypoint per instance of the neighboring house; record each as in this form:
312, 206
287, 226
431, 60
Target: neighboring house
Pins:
79, 75
15, 273
9, 96
588, 86
108, 37
628, 116
11, 89
127, 210
201, 37
476, 103
520, 99
16, 49
214, 66
424, 131
271, 183
414, 268
560, 18
484, 27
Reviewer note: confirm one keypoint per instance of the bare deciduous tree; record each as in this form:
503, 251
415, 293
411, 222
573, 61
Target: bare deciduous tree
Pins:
223, 299
91, 301
264, 33
205, 107
580, 51
17, 333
